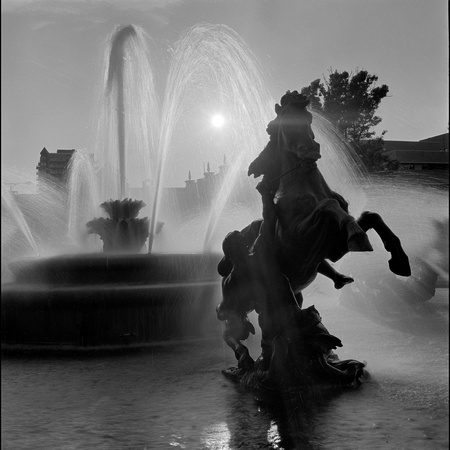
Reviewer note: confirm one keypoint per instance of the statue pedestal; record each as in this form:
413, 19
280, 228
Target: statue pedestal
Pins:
303, 362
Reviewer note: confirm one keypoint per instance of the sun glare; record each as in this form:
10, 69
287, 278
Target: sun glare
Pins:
218, 120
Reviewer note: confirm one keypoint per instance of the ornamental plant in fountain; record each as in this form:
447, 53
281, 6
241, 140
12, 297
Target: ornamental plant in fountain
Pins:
122, 231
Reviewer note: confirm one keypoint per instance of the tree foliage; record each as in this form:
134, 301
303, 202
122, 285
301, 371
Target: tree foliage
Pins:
350, 102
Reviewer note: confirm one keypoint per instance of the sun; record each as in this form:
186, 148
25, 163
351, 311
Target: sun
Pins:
218, 120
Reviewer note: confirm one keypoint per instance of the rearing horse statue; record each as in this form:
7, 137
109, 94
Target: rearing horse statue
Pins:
268, 264
314, 223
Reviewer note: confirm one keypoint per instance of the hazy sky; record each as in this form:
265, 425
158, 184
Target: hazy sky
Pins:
51, 52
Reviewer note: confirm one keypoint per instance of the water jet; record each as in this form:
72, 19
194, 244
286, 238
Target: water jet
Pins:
90, 299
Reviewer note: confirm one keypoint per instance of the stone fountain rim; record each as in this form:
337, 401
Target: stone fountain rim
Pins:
117, 255
116, 267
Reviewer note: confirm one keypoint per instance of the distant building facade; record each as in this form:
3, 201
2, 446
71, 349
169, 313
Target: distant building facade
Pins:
53, 166
427, 154
197, 196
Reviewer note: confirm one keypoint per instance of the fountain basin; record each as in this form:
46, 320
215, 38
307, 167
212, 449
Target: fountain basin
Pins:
98, 300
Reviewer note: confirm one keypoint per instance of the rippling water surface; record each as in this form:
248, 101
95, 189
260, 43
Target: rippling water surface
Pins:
173, 395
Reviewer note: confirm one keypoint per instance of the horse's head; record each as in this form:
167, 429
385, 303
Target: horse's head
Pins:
295, 134
289, 132
267, 163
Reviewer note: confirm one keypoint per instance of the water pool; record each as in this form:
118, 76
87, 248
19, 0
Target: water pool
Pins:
173, 395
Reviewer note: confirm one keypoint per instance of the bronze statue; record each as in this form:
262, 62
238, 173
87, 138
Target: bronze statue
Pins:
269, 263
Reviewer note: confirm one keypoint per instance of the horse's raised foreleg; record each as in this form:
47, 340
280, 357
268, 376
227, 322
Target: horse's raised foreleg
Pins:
399, 263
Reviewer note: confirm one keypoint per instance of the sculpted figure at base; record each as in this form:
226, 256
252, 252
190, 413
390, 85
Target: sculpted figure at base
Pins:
269, 263
255, 282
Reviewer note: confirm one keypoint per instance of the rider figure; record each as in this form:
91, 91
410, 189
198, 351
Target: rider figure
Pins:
253, 280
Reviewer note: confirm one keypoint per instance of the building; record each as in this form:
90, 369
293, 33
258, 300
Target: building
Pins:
195, 197
198, 195
427, 154
53, 166
441, 139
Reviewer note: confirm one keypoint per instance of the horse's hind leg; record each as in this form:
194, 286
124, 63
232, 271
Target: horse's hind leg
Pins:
399, 263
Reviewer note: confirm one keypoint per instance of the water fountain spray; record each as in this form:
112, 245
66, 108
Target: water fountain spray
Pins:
115, 75
127, 115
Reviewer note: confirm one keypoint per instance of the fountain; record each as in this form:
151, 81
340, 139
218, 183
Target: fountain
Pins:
82, 298
132, 145
122, 231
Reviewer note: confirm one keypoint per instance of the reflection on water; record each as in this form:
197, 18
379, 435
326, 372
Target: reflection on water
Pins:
174, 396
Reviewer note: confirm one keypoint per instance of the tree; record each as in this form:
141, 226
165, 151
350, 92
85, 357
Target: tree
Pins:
371, 153
350, 102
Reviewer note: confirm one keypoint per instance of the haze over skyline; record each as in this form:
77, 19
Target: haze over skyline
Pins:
52, 50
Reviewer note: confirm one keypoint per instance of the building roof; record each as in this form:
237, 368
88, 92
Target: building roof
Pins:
54, 164
433, 150
59, 155
418, 146
419, 157
442, 139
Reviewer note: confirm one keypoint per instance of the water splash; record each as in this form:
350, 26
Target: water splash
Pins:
83, 198
125, 143
35, 223
340, 165
10, 210
213, 69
